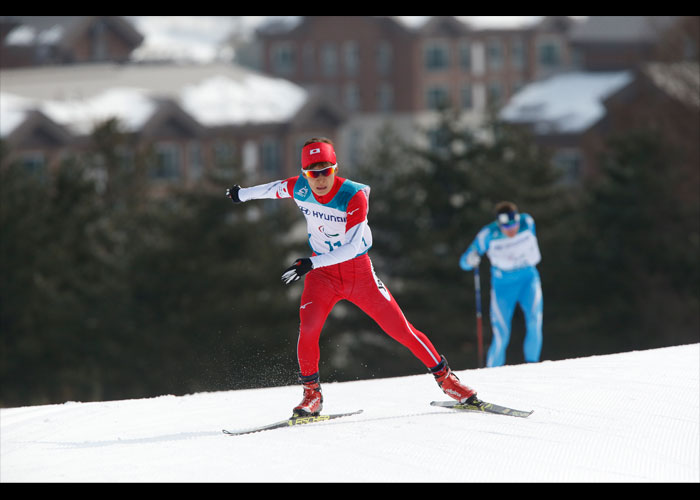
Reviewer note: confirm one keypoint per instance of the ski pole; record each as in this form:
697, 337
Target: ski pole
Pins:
479, 334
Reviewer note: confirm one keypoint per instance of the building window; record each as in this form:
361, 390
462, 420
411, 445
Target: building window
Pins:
385, 97
283, 59
478, 58
690, 48
99, 42
271, 157
479, 96
466, 98
352, 97
385, 57
437, 56
549, 54
495, 93
465, 56
494, 54
437, 97
195, 164
308, 61
224, 156
250, 156
578, 59
351, 58
329, 59
167, 162
518, 53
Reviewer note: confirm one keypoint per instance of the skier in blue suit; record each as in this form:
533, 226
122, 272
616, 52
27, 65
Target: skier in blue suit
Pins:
511, 245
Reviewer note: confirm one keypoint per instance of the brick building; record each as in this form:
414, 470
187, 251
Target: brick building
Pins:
357, 74
46, 40
191, 119
382, 71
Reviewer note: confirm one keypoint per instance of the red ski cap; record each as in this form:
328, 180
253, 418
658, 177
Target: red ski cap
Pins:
316, 152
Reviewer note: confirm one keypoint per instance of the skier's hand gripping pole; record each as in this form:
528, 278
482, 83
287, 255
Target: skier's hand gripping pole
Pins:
297, 270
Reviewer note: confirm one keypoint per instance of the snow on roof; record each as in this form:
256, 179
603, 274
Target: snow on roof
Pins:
13, 111
220, 100
566, 103
215, 100
30, 35
130, 106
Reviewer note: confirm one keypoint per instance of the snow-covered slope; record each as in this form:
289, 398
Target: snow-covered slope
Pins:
631, 417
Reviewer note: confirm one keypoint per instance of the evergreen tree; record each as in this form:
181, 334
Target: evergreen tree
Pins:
58, 288
110, 293
207, 290
637, 248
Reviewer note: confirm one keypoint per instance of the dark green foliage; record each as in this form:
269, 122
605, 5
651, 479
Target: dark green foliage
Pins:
108, 294
643, 246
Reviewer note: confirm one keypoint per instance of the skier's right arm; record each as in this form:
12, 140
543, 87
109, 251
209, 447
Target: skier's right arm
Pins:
271, 190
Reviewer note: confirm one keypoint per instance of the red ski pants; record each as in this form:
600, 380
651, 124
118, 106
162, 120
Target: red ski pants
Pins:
353, 280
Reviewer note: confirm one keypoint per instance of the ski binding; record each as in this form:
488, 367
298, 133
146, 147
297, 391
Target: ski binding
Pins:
291, 422
482, 406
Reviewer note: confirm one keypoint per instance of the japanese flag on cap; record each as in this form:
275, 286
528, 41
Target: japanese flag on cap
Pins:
316, 152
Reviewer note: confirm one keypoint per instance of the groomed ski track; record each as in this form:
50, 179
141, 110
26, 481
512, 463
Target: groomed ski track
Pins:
629, 417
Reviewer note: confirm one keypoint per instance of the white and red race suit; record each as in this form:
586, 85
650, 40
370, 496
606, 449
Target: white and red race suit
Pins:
340, 238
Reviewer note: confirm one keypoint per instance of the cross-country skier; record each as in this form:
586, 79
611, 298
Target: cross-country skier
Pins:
511, 245
340, 268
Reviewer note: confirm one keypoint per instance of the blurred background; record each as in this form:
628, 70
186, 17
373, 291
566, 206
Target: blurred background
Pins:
126, 273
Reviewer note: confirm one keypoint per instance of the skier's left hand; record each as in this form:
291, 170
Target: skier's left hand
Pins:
297, 270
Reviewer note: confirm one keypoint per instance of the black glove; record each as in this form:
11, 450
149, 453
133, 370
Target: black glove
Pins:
232, 193
297, 270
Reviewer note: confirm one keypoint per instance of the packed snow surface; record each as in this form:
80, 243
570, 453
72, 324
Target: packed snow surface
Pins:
630, 417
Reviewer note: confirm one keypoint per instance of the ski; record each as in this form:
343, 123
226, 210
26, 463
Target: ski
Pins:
291, 422
482, 406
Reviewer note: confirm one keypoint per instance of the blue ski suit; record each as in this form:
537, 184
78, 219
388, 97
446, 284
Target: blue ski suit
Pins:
514, 280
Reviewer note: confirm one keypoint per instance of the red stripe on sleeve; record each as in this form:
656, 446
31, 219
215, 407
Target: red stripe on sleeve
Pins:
357, 210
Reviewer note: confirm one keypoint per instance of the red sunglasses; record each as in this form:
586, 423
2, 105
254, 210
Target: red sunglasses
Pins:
313, 174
